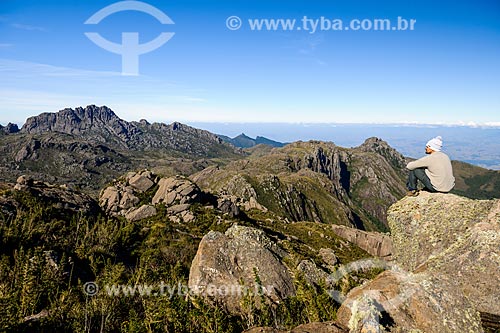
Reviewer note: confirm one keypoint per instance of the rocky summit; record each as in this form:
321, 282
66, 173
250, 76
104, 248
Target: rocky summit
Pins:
446, 252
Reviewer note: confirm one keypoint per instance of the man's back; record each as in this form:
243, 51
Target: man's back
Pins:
438, 168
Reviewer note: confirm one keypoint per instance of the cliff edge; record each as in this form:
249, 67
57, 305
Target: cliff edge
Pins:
446, 251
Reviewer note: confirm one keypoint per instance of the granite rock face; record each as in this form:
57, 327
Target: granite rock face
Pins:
410, 303
176, 190
176, 193
375, 243
445, 273
230, 264
455, 238
140, 213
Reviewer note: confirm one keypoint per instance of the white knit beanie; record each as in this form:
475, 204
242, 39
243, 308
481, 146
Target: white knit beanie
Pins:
435, 144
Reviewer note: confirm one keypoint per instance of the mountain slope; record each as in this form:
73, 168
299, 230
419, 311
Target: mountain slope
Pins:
475, 182
88, 147
317, 181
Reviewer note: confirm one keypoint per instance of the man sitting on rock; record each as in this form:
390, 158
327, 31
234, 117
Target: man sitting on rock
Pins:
434, 170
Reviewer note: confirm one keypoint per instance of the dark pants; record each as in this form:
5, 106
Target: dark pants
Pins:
419, 174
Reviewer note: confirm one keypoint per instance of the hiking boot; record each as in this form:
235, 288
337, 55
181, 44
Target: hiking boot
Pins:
412, 193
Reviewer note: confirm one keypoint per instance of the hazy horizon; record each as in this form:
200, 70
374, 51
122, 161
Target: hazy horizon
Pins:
478, 145
475, 145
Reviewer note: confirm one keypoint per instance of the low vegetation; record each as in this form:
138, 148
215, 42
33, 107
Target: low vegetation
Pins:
48, 256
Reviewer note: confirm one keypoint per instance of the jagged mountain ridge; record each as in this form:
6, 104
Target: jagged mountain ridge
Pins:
9, 129
101, 124
88, 147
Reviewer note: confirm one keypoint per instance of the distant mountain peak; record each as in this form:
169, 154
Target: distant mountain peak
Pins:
381, 147
243, 136
244, 141
71, 121
101, 124
9, 129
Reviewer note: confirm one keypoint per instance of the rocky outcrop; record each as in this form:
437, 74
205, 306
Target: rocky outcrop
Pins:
229, 205
9, 129
375, 243
406, 302
59, 197
242, 261
142, 181
121, 198
330, 162
176, 190
28, 151
446, 253
118, 199
176, 193
140, 213
235, 194
382, 148
452, 237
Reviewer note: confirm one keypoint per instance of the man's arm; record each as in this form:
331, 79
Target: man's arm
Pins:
420, 163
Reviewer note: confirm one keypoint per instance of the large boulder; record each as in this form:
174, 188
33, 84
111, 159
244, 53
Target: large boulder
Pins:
243, 261
122, 197
444, 277
140, 213
176, 190
453, 238
142, 181
408, 302
118, 199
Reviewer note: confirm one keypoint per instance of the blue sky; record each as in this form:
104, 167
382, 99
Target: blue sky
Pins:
447, 70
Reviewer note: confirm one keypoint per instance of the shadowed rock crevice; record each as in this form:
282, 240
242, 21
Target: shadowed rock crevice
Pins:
345, 177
